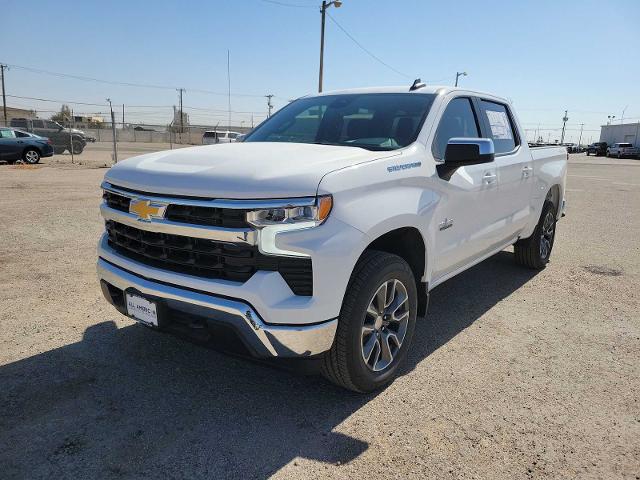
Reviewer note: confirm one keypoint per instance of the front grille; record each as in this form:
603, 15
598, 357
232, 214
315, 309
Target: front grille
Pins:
206, 258
115, 201
215, 217
209, 216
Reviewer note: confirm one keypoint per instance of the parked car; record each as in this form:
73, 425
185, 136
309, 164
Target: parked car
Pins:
17, 145
61, 138
623, 150
321, 235
598, 149
211, 137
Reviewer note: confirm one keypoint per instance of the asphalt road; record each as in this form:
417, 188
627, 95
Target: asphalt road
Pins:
512, 374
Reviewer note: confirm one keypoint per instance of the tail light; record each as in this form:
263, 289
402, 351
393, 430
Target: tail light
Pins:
49, 141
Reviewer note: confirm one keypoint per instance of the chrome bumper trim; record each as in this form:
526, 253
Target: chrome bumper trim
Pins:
270, 340
227, 235
214, 203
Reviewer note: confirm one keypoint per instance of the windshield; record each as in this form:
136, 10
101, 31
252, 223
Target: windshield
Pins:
375, 121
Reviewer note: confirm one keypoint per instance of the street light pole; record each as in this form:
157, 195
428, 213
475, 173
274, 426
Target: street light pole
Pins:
460, 74
564, 125
113, 132
323, 10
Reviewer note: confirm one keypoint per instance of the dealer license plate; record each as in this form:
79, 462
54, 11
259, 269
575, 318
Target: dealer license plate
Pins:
142, 310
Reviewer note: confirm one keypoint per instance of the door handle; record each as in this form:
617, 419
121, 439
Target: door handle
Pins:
489, 178
526, 171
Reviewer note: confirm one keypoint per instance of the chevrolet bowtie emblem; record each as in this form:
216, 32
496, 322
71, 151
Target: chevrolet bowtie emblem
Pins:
146, 209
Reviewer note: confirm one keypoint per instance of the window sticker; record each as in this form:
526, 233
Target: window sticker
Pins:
499, 122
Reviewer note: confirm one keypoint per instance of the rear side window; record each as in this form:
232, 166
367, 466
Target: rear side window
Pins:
500, 126
458, 120
6, 133
17, 122
38, 124
210, 135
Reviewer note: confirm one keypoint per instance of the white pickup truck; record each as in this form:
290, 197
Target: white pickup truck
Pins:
322, 233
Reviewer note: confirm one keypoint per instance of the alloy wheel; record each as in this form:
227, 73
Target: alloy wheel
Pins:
546, 238
385, 325
32, 156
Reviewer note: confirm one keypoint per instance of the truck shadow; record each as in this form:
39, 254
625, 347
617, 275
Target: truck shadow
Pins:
126, 402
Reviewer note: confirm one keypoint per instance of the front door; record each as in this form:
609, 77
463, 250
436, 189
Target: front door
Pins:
466, 218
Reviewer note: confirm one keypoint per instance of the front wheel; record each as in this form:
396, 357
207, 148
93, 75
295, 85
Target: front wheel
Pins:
376, 324
534, 252
31, 156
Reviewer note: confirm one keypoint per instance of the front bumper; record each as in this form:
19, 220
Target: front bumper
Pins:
207, 310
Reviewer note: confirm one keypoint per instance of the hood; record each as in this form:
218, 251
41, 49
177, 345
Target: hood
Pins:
238, 170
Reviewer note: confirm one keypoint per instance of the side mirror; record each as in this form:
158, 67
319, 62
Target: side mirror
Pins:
469, 151
465, 151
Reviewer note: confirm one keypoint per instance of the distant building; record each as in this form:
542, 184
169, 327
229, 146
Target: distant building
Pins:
16, 113
84, 121
626, 132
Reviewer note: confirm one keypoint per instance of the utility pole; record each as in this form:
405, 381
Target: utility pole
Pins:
229, 92
269, 104
181, 91
123, 115
113, 132
580, 141
564, 124
623, 110
323, 10
4, 99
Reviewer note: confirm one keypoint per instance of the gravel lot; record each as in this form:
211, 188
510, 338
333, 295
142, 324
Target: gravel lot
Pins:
512, 374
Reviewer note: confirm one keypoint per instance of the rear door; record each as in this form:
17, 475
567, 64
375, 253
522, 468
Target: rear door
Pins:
515, 167
10, 149
466, 217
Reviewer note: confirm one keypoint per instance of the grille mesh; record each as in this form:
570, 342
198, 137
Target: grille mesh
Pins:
206, 258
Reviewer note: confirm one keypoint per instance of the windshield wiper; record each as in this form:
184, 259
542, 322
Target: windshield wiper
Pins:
366, 146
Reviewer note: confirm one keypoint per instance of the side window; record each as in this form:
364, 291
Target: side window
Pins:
500, 126
6, 133
38, 124
458, 120
20, 134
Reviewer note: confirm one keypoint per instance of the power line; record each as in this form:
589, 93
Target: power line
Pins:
367, 51
287, 4
130, 106
126, 84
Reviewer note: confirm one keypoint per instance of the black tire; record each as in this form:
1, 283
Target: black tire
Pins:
31, 156
344, 363
78, 147
530, 252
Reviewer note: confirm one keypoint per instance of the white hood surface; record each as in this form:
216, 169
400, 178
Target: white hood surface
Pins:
238, 170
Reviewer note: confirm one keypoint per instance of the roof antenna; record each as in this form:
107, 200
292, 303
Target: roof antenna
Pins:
417, 84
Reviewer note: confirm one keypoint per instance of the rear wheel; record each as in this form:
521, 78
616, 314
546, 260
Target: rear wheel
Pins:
31, 156
78, 147
534, 252
376, 324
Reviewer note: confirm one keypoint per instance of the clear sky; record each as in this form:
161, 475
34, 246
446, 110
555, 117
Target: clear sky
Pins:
546, 56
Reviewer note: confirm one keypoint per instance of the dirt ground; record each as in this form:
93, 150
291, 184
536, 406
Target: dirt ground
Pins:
512, 374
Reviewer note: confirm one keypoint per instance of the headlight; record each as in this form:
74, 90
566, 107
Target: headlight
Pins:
292, 214
272, 221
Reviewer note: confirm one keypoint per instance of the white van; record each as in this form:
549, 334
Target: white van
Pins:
224, 136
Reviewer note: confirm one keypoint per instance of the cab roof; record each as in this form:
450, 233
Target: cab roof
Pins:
432, 89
